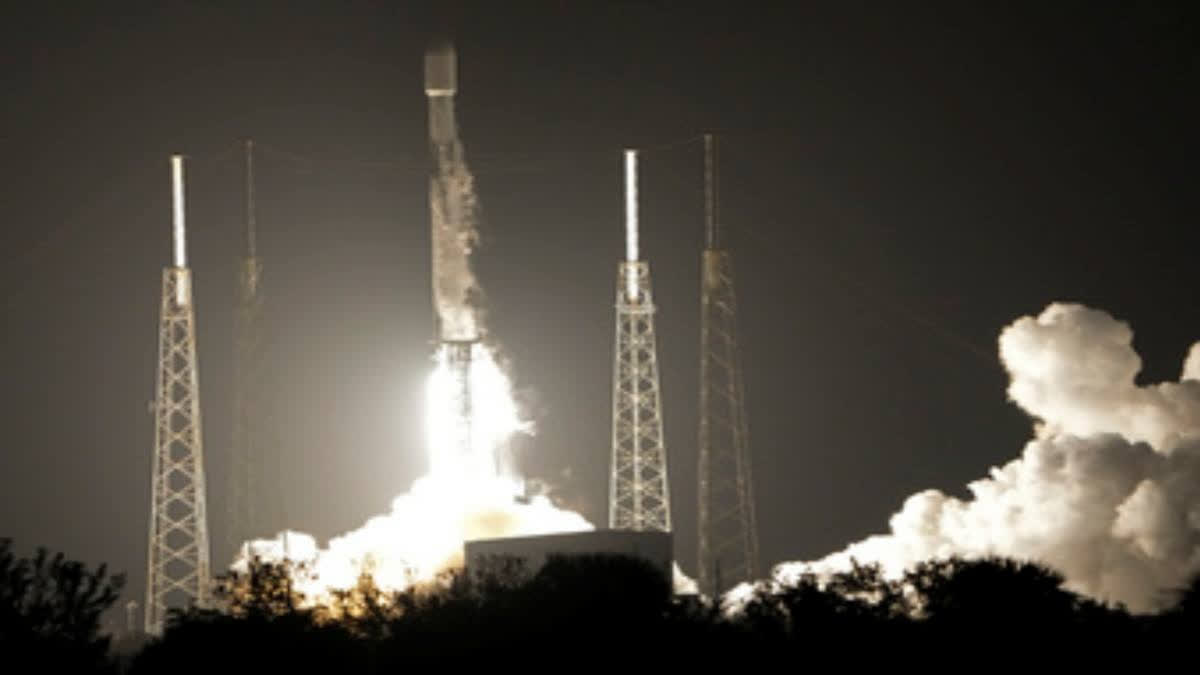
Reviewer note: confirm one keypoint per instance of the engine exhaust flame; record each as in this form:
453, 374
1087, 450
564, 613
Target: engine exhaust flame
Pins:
470, 413
466, 495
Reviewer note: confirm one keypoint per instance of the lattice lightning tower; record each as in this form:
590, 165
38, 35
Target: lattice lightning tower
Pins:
177, 563
639, 496
247, 515
728, 551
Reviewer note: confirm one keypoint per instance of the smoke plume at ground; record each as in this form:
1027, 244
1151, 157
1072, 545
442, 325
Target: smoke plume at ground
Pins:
419, 538
1108, 490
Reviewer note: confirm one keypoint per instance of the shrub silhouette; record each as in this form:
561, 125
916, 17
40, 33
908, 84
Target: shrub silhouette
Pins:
50, 611
582, 604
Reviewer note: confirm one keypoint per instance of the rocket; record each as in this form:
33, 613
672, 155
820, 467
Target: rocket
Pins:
451, 205
441, 82
452, 235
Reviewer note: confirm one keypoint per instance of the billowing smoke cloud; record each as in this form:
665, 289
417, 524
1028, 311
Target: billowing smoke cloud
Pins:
421, 537
1108, 490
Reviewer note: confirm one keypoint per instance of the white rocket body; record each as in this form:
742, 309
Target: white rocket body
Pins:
451, 205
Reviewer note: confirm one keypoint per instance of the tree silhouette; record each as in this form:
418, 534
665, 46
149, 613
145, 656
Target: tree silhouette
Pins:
1179, 625
1187, 605
574, 603
995, 598
990, 591
263, 592
828, 610
50, 610
259, 623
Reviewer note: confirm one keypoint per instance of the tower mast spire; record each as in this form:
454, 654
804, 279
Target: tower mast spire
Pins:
710, 192
728, 542
177, 573
639, 494
247, 506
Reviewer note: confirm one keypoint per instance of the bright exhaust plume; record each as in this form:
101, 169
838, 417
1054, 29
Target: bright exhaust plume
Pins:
461, 498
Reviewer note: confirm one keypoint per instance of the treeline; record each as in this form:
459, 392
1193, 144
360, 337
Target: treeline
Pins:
50, 609
589, 610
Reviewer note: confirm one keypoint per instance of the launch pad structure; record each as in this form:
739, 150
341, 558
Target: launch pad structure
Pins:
639, 494
247, 512
728, 535
177, 573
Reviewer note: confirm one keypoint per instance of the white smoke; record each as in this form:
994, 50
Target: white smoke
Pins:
1108, 490
420, 538
1074, 368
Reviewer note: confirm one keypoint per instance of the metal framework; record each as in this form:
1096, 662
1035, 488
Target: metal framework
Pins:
246, 512
728, 542
639, 495
177, 571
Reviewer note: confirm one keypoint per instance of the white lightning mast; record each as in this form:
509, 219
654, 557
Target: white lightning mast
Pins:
631, 220
639, 495
178, 234
177, 570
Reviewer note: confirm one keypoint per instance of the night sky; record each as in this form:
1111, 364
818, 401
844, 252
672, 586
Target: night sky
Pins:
897, 183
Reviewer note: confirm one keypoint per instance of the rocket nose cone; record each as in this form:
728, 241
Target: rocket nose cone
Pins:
441, 70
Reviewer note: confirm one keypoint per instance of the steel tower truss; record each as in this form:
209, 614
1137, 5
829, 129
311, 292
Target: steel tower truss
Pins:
728, 541
178, 561
246, 515
639, 497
